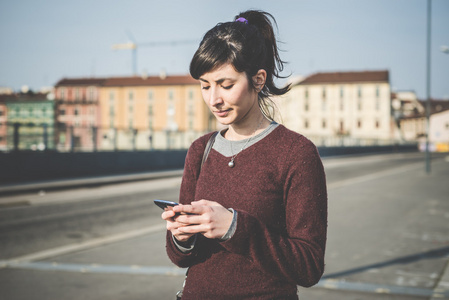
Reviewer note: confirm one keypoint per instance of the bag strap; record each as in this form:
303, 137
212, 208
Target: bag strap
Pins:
209, 145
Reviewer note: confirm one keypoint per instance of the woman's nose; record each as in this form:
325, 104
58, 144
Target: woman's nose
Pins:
215, 97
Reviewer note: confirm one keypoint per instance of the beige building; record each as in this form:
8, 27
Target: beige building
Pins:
414, 126
341, 108
152, 112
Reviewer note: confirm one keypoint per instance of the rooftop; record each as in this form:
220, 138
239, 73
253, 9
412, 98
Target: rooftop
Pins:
129, 81
346, 77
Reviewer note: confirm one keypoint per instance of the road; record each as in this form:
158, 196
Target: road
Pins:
388, 236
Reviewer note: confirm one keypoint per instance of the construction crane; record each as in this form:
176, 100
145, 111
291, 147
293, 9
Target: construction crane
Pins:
133, 45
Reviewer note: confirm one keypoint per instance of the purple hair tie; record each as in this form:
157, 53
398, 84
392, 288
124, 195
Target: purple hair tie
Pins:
243, 20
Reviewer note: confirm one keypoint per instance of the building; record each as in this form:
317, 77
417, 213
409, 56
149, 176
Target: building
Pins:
30, 121
152, 112
414, 126
341, 108
130, 113
77, 114
3, 123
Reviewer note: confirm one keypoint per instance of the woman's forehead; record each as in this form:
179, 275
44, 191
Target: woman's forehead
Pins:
226, 71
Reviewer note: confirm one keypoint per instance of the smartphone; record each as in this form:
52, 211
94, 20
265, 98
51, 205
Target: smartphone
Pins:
164, 203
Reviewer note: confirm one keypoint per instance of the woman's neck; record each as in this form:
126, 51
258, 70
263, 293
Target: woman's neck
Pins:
252, 127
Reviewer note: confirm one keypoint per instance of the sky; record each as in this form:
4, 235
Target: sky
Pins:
44, 41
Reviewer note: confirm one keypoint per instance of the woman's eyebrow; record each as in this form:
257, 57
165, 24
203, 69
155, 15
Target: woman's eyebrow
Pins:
219, 81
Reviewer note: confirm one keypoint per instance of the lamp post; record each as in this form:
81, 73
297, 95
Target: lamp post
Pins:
427, 155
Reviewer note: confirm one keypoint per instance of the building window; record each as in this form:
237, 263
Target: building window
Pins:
306, 93
359, 91
111, 96
342, 104
359, 124
324, 93
150, 95
76, 112
324, 104
377, 91
359, 104
131, 106
342, 92
91, 94
170, 94
306, 105
62, 112
62, 93
306, 123
191, 95
130, 95
323, 124
377, 124
77, 94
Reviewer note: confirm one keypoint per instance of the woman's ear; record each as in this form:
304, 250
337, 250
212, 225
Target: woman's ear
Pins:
259, 79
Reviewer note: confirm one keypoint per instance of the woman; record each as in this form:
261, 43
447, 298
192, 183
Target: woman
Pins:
252, 220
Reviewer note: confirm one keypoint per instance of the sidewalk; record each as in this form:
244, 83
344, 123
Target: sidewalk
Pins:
388, 239
83, 182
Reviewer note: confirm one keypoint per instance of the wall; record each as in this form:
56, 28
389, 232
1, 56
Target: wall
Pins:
37, 166
34, 166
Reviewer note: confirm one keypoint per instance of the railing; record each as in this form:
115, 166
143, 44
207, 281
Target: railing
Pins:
61, 138
348, 141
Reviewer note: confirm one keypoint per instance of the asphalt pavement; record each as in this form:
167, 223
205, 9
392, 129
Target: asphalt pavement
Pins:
373, 251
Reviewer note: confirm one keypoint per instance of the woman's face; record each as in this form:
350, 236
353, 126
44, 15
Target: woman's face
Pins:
228, 95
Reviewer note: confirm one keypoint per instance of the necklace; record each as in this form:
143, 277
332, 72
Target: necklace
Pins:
231, 163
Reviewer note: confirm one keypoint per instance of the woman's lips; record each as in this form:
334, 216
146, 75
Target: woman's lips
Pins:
222, 113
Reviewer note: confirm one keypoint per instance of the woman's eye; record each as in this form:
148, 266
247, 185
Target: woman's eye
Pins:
228, 87
205, 87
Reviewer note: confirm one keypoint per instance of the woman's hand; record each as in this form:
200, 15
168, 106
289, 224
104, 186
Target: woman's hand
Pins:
173, 226
209, 218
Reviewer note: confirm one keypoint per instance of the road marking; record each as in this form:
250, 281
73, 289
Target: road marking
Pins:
373, 176
83, 245
174, 271
97, 268
380, 288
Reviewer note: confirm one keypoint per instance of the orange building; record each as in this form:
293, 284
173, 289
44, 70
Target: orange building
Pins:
152, 112
130, 113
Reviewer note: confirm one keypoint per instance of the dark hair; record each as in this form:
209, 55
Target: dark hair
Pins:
248, 47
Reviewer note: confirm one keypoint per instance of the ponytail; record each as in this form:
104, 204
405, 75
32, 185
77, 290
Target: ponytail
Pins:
249, 44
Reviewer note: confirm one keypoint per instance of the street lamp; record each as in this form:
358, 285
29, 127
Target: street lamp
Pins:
427, 156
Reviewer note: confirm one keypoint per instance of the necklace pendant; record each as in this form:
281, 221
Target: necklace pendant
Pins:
231, 164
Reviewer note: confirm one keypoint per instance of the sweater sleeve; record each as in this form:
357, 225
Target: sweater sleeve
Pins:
186, 196
296, 253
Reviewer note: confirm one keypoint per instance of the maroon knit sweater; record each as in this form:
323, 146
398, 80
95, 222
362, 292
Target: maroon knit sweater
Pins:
278, 189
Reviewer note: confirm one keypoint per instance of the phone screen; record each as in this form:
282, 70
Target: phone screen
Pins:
165, 203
